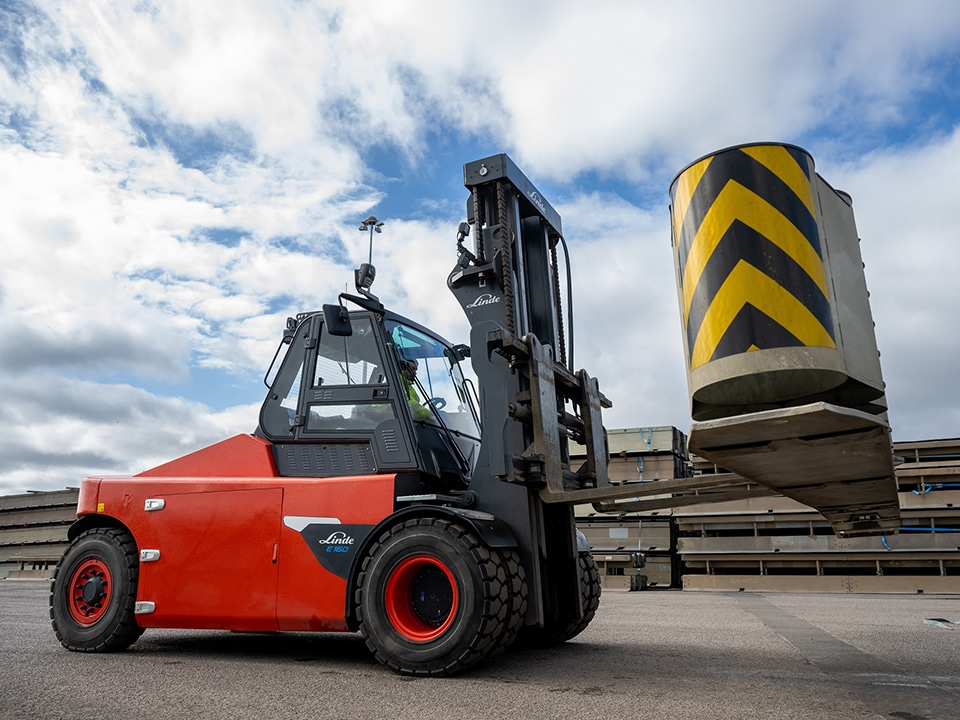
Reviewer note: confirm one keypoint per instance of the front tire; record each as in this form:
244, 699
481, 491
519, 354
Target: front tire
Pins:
94, 591
589, 597
557, 633
432, 599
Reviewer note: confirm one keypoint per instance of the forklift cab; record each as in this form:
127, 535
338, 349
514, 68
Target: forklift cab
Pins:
371, 392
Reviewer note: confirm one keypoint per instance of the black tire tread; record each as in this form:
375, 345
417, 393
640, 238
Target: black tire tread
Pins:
126, 630
504, 601
589, 597
517, 594
536, 637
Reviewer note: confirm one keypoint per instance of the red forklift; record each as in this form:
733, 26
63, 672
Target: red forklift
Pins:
413, 490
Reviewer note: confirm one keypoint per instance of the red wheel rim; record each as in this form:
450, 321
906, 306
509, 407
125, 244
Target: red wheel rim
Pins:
421, 598
89, 591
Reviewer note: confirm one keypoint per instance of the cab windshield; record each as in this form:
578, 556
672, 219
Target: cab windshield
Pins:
435, 387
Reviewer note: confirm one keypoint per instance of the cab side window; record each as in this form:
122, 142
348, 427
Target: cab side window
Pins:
351, 360
349, 382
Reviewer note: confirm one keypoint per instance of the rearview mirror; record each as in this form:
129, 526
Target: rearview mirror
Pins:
337, 320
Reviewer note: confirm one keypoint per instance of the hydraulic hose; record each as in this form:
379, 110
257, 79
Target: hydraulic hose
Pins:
566, 261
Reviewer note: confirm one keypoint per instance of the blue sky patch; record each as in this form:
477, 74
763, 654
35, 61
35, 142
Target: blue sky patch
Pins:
200, 148
226, 236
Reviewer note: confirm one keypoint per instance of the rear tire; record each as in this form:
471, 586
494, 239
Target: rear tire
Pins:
94, 591
432, 599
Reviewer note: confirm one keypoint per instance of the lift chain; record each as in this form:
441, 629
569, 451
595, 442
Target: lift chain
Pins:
478, 226
562, 358
506, 257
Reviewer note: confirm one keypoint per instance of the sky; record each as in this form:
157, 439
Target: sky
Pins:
178, 177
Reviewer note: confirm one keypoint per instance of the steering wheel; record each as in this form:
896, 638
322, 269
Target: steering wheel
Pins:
438, 403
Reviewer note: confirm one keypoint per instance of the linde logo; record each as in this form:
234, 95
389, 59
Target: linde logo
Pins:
485, 299
538, 201
337, 538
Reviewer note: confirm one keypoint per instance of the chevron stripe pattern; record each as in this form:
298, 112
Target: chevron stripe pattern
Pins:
749, 255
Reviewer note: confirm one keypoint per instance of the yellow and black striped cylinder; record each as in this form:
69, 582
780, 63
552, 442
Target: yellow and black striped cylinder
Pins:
756, 299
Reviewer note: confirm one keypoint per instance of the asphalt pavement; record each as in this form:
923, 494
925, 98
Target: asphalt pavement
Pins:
652, 654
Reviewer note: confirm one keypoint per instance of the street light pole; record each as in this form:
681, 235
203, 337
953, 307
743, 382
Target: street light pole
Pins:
373, 225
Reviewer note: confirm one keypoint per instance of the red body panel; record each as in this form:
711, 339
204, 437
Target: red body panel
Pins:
87, 500
216, 558
239, 456
308, 600
232, 555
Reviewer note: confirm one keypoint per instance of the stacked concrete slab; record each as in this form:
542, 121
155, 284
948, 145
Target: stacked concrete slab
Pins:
778, 544
33, 531
640, 454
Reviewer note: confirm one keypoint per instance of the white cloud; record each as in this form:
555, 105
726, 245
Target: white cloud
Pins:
627, 326
625, 87
177, 177
59, 431
905, 202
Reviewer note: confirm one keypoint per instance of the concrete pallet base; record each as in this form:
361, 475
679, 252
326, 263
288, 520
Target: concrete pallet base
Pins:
31, 574
825, 583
